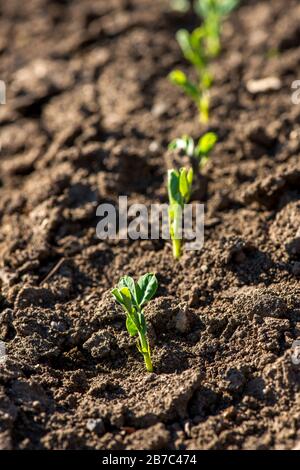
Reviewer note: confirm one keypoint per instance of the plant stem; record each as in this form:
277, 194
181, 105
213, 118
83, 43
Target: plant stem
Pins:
148, 362
204, 108
176, 248
146, 352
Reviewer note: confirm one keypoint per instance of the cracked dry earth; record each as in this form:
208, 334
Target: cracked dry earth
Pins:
88, 117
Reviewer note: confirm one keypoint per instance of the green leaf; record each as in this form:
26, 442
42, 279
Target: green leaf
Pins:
131, 328
179, 78
197, 36
183, 39
226, 6
126, 298
148, 285
186, 180
127, 281
183, 183
186, 144
115, 292
173, 187
212, 27
192, 46
215, 7
206, 143
173, 145
190, 176
203, 7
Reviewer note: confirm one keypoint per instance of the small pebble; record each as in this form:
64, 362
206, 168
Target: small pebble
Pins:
182, 322
263, 85
159, 109
187, 428
154, 147
96, 425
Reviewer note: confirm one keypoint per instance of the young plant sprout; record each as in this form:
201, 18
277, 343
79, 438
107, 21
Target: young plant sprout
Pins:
199, 47
179, 191
194, 50
133, 296
200, 151
213, 13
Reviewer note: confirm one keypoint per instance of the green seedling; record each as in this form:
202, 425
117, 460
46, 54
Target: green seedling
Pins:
220, 8
213, 12
200, 151
133, 296
200, 47
194, 50
199, 96
179, 191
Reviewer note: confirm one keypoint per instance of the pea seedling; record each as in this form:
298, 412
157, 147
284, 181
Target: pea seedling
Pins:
213, 13
199, 47
179, 191
194, 50
133, 296
200, 151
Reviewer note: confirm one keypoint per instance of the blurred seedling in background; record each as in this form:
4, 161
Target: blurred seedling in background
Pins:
133, 296
179, 192
193, 48
200, 47
213, 13
198, 153
180, 5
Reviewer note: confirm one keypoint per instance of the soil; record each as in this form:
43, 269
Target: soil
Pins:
88, 117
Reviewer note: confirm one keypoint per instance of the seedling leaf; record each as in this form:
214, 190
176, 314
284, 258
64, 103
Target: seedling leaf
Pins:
179, 78
115, 292
131, 328
191, 45
148, 286
183, 183
199, 47
216, 7
127, 281
126, 298
200, 152
173, 187
206, 143
190, 177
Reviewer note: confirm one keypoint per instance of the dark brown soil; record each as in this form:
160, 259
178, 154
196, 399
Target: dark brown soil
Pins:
88, 117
